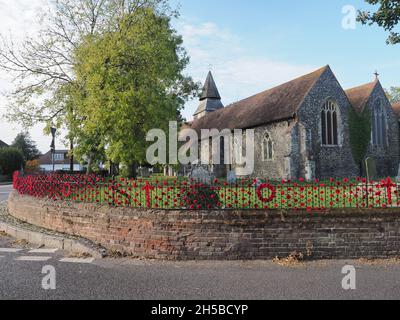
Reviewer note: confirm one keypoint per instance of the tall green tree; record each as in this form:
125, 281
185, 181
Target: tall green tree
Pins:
42, 66
386, 16
27, 146
131, 81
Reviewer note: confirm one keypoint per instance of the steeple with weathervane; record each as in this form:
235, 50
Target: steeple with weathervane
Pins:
210, 100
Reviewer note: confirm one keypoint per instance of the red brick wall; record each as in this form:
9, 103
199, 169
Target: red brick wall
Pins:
220, 235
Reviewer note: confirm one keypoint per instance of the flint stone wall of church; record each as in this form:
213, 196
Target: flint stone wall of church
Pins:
298, 143
283, 139
386, 158
336, 161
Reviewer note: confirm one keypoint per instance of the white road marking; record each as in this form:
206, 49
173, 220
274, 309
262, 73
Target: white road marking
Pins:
10, 250
77, 260
43, 251
33, 258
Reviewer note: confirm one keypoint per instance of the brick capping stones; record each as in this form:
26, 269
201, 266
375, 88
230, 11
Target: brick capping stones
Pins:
220, 235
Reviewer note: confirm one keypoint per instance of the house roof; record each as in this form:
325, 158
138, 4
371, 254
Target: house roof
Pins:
359, 96
279, 103
396, 109
46, 159
3, 144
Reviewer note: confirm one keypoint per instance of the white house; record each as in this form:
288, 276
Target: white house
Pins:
61, 162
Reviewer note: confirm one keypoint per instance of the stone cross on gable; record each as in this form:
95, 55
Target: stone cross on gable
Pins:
376, 75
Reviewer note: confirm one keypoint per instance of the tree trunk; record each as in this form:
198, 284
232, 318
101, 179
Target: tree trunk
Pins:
133, 172
71, 158
111, 169
89, 167
114, 169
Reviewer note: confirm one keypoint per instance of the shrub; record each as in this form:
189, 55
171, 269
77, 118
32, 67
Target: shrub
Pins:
32, 166
201, 197
11, 159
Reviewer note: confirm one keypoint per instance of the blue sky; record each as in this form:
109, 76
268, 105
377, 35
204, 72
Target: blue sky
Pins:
252, 45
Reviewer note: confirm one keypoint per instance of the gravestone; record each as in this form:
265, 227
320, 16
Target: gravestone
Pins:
199, 174
143, 172
310, 170
370, 169
288, 167
231, 177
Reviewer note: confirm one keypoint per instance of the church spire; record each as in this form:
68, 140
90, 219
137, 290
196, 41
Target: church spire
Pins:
210, 99
210, 90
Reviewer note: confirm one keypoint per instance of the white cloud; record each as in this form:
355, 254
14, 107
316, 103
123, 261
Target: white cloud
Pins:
20, 16
194, 33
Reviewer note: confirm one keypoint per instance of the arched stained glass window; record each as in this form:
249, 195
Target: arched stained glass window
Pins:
379, 125
329, 124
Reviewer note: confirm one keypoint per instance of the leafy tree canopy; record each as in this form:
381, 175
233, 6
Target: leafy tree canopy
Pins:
393, 94
129, 81
27, 146
386, 16
43, 67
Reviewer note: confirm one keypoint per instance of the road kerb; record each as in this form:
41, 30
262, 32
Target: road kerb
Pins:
41, 239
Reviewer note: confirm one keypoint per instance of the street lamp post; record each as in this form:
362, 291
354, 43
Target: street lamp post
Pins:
53, 146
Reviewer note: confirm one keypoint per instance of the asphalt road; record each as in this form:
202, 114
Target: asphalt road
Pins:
5, 191
133, 279
21, 278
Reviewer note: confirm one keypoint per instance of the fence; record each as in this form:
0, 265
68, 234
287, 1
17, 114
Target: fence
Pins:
219, 195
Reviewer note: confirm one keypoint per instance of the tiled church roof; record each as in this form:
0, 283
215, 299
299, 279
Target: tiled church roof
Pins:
279, 103
359, 96
396, 109
210, 100
210, 89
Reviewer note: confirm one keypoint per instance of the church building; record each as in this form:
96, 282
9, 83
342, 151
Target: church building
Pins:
302, 127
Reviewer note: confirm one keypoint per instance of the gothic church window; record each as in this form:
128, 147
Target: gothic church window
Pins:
267, 147
329, 124
379, 134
